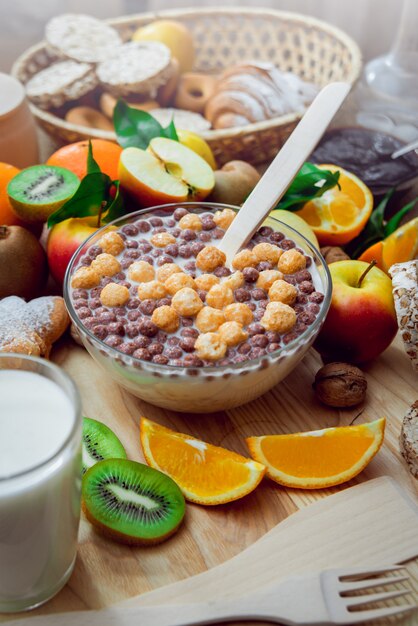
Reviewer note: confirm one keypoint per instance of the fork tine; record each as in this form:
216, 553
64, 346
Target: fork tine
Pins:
375, 597
374, 582
356, 617
362, 573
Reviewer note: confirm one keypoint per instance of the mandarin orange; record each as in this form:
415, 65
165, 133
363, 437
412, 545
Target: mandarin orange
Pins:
74, 157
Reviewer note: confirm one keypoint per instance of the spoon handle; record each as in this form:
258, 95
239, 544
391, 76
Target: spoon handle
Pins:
284, 168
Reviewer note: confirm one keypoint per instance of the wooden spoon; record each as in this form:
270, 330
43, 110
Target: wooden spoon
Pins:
284, 168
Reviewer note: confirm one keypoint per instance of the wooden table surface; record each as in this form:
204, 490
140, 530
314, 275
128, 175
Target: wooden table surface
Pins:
107, 572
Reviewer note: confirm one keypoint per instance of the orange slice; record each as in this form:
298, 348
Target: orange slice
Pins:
400, 246
206, 474
339, 215
319, 458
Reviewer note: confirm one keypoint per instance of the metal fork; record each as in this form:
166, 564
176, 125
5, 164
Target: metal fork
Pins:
314, 599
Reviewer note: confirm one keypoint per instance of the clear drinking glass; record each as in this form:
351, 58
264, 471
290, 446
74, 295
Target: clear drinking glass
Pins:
39, 501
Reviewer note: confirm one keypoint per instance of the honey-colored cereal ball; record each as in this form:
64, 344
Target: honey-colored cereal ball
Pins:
267, 277
234, 281
281, 291
112, 243
279, 317
219, 296
291, 261
191, 221
210, 346
267, 252
209, 319
245, 258
114, 295
186, 302
166, 270
106, 265
166, 318
152, 290
161, 240
232, 333
224, 218
206, 281
85, 278
141, 272
210, 258
239, 312
178, 281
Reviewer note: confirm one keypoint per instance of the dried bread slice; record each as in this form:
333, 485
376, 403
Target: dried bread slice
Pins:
408, 440
60, 82
186, 120
81, 37
137, 67
405, 293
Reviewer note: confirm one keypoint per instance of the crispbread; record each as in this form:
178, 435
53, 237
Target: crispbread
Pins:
186, 120
81, 37
31, 327
405, 293
136, 68
408, 440
60, 82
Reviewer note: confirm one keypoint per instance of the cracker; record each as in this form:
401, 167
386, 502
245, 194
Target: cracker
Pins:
137, 67
60, 82
408, 440
31, 327
81, 37
405, 293
186, 120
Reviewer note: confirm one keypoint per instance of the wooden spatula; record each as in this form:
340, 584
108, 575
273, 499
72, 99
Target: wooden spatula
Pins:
284, 168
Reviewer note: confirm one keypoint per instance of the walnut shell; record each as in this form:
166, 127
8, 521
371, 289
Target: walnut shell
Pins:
332, 254
340, 385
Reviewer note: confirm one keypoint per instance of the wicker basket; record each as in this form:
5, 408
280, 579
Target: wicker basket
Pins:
313, 49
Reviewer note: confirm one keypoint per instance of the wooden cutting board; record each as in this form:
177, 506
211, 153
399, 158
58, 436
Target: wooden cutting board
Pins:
107, 572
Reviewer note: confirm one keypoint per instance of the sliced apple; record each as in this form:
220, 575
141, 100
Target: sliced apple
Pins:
166, 172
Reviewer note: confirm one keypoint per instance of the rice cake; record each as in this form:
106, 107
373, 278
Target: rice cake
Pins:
405, 293
408, 440
186, 120
60, 82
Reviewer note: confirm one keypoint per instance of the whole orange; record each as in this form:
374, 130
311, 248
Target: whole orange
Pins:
74, 157
7, 215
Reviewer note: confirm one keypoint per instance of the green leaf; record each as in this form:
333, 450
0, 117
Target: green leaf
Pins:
87, 200
135, 128
394, 222
309, 183
116, 208
92, 166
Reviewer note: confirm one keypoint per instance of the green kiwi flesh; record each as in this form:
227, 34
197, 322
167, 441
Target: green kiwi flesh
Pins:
38, 191
99, 443
131, 502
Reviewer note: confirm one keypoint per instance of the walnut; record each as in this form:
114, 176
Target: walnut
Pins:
332, 254
340, 385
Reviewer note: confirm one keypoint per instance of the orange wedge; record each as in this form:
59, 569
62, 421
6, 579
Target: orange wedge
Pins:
339, 215
206, 474
400, 246
319, 458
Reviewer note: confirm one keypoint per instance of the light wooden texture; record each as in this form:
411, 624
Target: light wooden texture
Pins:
107, 572
284, 167
366, 525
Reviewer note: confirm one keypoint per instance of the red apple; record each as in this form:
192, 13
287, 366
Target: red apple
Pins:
361, 321
64, 239
166, 172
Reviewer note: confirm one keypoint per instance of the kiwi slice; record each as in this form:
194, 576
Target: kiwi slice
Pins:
38, 191
99, 443
131, 502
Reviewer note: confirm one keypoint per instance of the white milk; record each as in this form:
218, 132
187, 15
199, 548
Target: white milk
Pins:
40, 478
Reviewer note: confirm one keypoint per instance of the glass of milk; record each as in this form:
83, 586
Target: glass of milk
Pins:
40, 480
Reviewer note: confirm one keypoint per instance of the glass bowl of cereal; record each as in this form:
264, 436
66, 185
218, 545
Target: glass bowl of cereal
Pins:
155, 305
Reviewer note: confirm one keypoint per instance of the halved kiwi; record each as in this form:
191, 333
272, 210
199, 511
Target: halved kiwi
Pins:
131, 502
37, 191
99, 443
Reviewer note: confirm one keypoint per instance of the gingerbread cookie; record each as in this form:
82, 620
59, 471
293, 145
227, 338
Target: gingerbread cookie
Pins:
31, 327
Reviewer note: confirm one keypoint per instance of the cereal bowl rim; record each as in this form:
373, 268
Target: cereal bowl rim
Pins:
205, 369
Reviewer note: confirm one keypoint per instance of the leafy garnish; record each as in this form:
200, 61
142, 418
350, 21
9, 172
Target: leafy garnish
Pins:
377, 228
309, 183
135, 128
96, 194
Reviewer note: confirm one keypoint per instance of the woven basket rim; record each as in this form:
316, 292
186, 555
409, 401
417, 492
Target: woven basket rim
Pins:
149, 16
